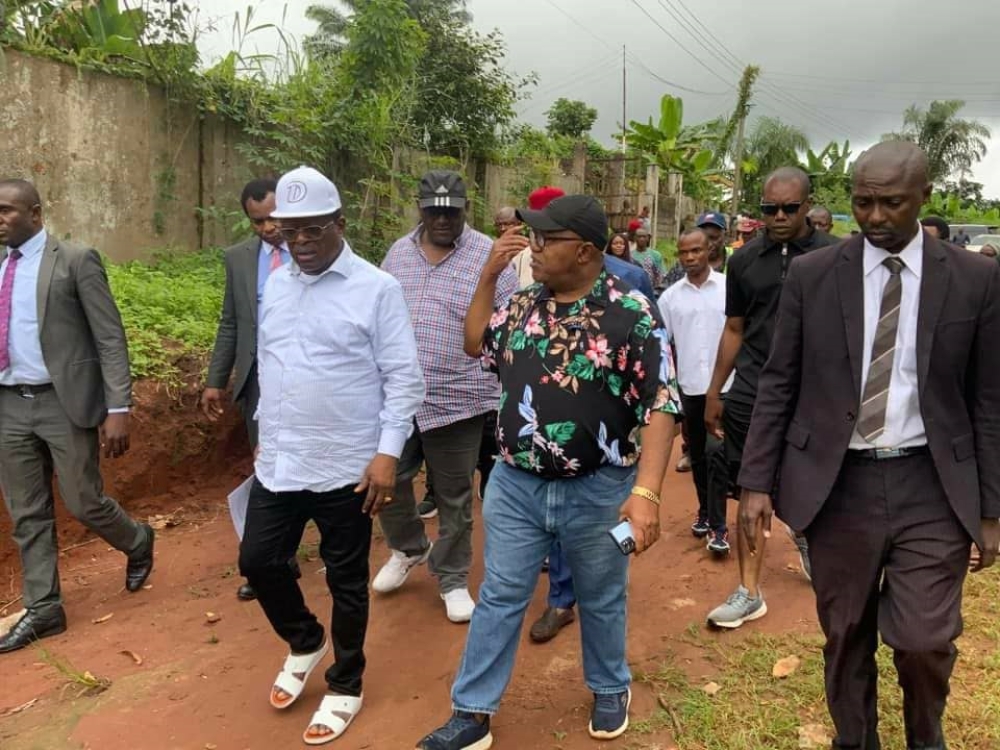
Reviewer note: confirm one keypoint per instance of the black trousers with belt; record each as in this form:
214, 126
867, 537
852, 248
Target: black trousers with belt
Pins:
275, 522
888, 556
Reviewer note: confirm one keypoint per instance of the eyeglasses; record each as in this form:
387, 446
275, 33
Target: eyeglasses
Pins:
310, 233
539, 239
772, 209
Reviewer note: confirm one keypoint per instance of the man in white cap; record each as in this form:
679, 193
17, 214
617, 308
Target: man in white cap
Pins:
339, 386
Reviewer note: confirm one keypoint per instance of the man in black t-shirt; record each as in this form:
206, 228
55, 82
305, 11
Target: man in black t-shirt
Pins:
753, 285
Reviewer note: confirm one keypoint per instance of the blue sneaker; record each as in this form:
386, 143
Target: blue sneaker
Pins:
609, 719
462, 732
700, 527
718, 542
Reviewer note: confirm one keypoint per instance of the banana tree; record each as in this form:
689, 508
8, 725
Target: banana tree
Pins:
100, 29
678, 149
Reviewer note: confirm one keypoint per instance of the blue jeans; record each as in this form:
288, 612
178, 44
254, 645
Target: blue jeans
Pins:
561, 595
523, 515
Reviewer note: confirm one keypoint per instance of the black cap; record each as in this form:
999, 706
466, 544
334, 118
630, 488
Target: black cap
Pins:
443, 189
581, 214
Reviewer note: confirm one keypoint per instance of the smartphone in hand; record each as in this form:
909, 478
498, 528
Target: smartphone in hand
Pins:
622, 534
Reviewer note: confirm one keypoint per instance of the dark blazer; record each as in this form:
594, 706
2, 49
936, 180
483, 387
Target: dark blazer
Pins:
236, 339
810, 388
81, 333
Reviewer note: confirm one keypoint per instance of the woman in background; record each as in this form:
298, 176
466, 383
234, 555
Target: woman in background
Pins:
618, 247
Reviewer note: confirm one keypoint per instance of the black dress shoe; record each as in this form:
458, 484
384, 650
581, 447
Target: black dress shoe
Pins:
140, 562
33, 627
245, 593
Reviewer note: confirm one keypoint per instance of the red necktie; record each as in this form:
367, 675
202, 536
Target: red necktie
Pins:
275, 259
6, 295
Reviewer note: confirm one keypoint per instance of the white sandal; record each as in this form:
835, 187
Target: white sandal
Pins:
335, 712
288, 680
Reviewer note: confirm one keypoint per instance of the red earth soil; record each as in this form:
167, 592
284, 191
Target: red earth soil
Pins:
203, 685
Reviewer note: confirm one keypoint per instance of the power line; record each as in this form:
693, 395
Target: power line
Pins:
679, 43
633, 59
715, 47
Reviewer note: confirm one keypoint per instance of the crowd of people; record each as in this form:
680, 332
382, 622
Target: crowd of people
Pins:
847, 386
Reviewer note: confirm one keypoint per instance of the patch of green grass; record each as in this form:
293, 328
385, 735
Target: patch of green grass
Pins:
170, 307
755, 710
83, 682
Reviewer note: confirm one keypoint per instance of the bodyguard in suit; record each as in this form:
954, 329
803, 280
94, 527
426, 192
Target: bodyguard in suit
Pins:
65, 392
877, 432
248, 265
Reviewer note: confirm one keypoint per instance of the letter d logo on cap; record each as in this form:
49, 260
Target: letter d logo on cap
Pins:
296, 192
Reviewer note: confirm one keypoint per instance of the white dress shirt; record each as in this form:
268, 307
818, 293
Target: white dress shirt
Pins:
904, 425
339, 375
27, 366
694, 318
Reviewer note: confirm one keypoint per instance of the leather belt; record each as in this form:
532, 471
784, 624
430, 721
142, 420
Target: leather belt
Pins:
28, 391
884, 454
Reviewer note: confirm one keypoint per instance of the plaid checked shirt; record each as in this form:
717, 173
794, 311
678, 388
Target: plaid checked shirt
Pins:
438, 298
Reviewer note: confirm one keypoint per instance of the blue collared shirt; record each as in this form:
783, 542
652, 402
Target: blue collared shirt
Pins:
27, 365
631, 274
264, 270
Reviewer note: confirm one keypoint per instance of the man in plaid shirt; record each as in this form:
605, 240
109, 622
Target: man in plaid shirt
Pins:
438, 266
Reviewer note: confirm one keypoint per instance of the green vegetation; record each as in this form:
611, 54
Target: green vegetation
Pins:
754, 709
170, 308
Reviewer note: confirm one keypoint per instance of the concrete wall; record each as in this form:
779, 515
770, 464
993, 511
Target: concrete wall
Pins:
118, 165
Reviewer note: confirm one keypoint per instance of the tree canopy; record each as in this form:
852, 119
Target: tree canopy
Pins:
570, 118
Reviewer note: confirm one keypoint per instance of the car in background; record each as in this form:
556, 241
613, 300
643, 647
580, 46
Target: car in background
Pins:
983, 239
973, 230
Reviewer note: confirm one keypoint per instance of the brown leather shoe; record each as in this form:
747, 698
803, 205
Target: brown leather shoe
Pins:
550, 623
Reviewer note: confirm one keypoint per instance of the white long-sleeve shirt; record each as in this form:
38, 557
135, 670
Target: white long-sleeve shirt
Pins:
904, 424
339, 376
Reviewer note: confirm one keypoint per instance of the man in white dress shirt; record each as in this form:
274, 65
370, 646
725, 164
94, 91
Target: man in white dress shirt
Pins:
340, 384
694, 314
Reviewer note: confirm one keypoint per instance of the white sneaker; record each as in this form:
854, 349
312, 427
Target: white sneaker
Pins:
395, 572
460, 605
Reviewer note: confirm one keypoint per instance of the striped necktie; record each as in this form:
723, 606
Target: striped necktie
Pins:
871, 421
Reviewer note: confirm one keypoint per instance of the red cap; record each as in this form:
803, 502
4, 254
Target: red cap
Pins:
543, 196
634, 225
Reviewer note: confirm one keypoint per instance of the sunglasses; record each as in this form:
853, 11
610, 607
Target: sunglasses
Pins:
772, 209
309, 234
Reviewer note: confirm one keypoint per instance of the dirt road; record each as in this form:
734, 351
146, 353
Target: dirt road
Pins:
204, 685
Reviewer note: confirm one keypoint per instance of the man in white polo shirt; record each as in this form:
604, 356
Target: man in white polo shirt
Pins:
694, 314
339, 386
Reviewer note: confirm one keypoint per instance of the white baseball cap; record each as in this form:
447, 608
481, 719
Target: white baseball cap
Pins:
305, 192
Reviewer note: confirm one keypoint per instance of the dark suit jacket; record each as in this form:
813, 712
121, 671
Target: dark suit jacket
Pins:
81, 333
810, 389
236, 340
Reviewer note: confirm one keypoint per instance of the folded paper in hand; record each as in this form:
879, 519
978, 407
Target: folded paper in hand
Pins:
239, 499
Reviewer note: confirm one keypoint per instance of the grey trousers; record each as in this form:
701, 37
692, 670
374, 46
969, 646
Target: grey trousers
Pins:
451, 453
35, 437
247, 403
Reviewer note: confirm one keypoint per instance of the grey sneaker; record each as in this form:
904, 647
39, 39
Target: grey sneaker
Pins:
803, 547
427, 508
738, 609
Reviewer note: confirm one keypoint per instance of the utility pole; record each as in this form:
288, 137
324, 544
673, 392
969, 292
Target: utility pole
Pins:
624, 102
742, 110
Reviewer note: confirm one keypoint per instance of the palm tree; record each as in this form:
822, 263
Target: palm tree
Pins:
770, 145
952, 145
332, 21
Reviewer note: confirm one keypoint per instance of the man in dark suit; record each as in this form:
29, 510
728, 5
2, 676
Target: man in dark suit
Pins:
876, 430
65, 391
248, 265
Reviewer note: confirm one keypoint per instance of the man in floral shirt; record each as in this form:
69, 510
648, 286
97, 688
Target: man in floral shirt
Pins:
585, 378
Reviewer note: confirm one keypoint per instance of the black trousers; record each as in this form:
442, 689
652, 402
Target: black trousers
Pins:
701, 448
888, 555
275, 522
724, 462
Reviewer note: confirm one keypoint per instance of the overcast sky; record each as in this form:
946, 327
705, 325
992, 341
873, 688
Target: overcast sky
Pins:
838, 70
